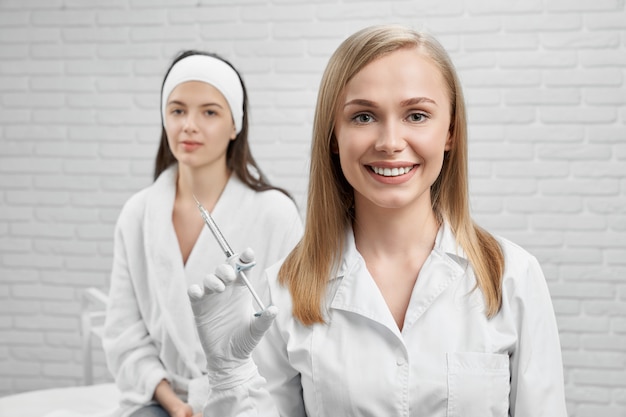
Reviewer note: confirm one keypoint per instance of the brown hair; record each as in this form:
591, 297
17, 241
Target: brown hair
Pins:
239, 158
307, 269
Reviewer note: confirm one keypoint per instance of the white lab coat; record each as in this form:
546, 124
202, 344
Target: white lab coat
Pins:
150, 332
448, 360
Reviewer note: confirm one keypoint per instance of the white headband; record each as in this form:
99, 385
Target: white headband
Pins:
212, 71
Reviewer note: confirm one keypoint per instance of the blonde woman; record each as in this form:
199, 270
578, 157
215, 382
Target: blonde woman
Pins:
394, 302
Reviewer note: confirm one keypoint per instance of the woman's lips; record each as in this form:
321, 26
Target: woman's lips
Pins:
190, 146
392, 175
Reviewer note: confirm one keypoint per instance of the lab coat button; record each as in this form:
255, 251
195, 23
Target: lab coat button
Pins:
400, 361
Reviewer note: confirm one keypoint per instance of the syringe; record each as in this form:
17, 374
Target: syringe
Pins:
228, 251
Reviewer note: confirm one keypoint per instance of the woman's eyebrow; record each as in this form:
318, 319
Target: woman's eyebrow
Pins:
417, 100
211, 104
176, 103
408, 102
360, 102
180, 103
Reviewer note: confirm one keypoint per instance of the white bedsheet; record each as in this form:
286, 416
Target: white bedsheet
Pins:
91, 400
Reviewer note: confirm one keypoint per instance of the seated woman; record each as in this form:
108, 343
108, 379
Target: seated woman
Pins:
162, 245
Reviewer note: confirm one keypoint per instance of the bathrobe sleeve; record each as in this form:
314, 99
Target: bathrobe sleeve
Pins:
131, 354
537, 387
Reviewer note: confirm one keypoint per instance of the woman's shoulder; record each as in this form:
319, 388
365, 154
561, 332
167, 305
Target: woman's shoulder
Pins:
522, 270
274, 204
275, 197
136, 204
514, 254
134, 209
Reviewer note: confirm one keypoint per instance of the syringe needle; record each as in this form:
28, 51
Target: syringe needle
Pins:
227, 250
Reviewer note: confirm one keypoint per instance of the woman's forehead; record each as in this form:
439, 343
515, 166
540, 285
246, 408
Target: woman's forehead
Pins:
196, 90
404, 73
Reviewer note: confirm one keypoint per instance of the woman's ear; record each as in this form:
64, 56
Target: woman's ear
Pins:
233, 134
448, 145
334, 148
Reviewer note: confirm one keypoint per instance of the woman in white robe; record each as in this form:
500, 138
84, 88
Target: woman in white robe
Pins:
162, 245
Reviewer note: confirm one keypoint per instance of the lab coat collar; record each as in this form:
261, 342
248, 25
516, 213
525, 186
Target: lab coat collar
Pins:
445, 243
356, 291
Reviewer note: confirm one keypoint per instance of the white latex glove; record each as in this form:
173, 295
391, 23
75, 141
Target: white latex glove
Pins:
226, 323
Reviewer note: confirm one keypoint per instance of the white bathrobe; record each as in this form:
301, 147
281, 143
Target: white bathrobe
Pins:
150, 332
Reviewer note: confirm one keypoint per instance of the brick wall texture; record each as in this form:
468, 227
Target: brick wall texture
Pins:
79, 126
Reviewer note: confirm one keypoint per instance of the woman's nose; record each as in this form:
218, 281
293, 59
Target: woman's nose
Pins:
390, 139
190, 124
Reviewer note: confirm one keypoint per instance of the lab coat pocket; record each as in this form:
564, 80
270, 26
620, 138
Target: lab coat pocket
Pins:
478, 384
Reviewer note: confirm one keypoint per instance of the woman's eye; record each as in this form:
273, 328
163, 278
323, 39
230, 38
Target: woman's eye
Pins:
177, 112
210, 113
363, 118
417, 117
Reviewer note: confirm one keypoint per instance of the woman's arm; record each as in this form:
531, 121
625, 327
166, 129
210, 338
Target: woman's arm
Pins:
229, 331
167, 398
537, 386
130, 352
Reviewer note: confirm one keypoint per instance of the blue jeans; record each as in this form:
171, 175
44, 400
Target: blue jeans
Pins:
150, 411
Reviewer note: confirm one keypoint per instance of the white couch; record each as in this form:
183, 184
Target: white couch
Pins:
81, 401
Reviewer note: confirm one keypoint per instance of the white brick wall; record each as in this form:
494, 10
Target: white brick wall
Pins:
79, 126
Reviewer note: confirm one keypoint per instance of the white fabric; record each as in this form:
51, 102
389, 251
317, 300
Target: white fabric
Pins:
83, 401
212, 71
449, 359
149, 330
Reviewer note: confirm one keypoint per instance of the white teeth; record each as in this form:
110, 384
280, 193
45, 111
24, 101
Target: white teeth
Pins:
391, 172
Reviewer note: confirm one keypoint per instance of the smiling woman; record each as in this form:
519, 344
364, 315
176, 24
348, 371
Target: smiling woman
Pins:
391, 135
394, 302
395, 119
162, 246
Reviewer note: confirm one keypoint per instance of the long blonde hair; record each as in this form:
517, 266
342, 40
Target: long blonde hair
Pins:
307, 269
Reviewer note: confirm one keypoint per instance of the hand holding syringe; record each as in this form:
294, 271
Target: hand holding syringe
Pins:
221, 308
241, 264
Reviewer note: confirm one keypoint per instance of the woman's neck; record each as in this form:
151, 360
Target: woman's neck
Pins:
206, 184
395, 232
395, 244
